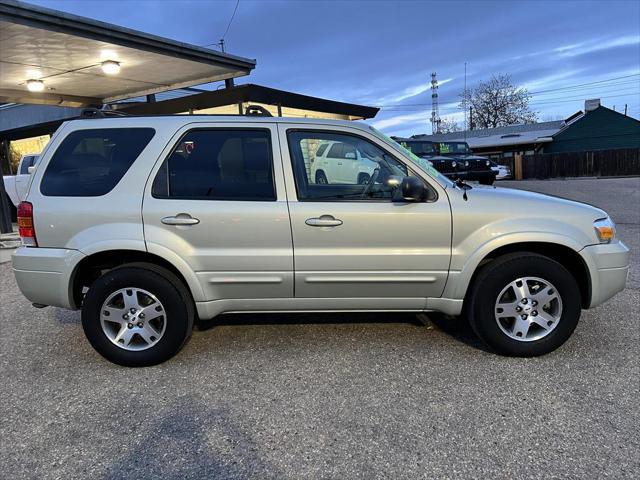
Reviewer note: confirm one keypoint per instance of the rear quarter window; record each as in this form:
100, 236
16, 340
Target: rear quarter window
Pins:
90, 163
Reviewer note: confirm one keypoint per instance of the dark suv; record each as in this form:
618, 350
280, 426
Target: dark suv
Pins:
453, 159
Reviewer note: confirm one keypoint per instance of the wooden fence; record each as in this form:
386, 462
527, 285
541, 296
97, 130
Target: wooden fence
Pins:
600, 163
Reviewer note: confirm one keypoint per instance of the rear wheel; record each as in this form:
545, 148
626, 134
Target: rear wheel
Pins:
321, 178
524, 304
137, 315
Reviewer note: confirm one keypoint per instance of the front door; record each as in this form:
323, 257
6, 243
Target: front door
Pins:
354, 240
218, 203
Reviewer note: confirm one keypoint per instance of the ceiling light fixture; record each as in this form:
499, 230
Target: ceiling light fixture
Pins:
111, 67
35, 85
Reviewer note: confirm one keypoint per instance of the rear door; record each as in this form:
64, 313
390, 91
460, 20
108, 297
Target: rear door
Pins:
217, 200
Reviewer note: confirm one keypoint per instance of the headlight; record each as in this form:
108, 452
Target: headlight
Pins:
453, 164
605, 229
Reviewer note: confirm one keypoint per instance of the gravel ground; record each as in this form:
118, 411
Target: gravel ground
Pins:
329, 396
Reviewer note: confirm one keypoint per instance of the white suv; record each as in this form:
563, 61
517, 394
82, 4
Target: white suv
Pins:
148, 223
340, 162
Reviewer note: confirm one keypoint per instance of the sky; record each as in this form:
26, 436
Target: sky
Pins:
382, 53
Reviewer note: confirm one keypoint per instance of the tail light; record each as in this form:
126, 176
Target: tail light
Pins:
25, 225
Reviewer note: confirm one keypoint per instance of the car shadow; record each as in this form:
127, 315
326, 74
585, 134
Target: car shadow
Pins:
457, 328
237, 319
192, 440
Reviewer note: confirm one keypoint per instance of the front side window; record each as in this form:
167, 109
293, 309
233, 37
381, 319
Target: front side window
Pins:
218, 164
354, 169
90, 163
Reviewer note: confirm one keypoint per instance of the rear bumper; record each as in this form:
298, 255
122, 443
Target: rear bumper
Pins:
44, 274
608, 267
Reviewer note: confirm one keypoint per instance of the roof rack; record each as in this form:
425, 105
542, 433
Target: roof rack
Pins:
257, 111
97, 113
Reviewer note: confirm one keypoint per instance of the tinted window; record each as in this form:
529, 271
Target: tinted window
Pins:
375, 175
26, 163
321, 149
218, 165
89, 163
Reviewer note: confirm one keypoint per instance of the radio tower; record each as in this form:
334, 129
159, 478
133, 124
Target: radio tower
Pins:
435, 117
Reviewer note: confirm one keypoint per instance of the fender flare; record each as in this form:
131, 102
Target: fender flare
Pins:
459, 280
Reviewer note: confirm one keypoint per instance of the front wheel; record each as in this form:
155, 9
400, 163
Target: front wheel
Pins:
524, 304
137, 315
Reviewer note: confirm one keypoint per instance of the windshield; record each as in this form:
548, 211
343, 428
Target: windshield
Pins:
422, 163
449, 148
419, 148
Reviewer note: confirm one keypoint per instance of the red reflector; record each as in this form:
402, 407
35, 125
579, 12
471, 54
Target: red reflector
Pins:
26, 229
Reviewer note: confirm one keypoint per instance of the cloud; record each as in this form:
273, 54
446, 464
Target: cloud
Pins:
423, 115
410, 92
597, 45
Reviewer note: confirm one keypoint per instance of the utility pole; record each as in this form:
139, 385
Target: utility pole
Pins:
470, 117
228, 83
435, 117
625, 109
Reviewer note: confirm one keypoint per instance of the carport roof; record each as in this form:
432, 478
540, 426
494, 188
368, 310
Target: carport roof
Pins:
66, 52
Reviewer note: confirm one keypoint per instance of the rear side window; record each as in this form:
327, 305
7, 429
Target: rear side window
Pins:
90, 163
218, 164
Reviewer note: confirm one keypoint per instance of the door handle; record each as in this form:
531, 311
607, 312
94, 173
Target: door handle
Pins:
324, 221
180, 219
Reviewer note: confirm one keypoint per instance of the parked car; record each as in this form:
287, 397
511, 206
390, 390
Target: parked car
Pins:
149, 223
470, 166
502, 171
454, 166
16, 185
340, 162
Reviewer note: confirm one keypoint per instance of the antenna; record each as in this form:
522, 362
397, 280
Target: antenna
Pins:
464, 101
435, 117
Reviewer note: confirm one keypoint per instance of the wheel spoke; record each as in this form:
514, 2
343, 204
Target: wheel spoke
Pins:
520, 327
506, 310
545, 297
544, 319
148, 334
152, 311
124, 336
113, 314
521, 291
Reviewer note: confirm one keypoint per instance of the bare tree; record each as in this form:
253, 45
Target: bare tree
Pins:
498, 102
449, 125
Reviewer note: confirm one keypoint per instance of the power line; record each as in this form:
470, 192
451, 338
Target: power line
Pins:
220, 43
576, 87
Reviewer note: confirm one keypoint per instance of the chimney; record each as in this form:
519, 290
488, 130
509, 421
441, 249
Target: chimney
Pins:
590, 105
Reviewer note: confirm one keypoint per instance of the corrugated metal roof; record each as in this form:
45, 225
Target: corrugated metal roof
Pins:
500, 136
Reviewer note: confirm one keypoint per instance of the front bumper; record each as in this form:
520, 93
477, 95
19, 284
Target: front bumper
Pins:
608, 265
44, 275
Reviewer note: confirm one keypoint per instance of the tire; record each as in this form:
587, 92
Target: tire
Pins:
321, 178
175, 323
363, 179
489, 317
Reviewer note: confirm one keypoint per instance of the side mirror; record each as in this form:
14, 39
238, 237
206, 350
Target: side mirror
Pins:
412, 189
31, 169
350, 155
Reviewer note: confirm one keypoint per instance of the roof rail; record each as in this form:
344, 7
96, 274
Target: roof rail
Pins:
97, 113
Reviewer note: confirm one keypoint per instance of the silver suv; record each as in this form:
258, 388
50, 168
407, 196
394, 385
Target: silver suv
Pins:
149, 223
